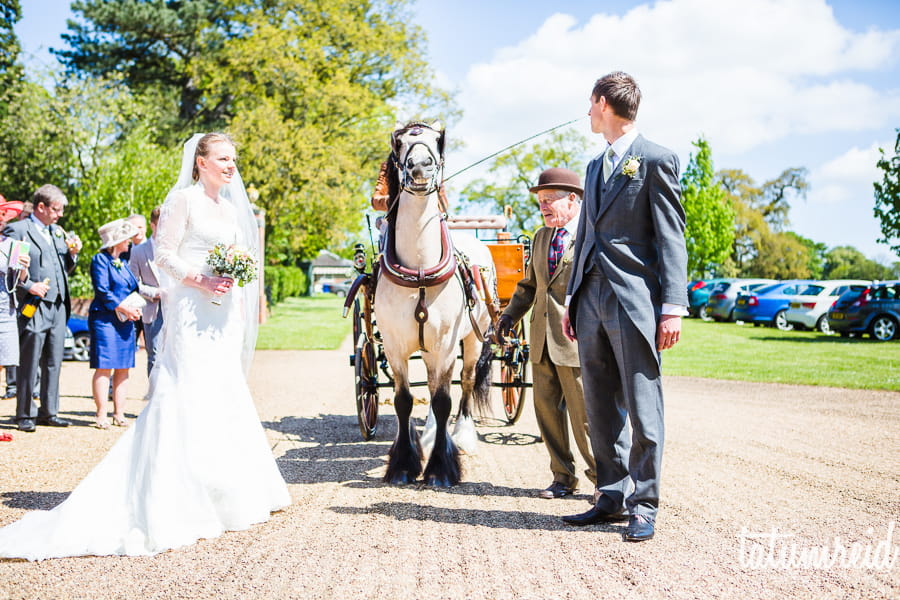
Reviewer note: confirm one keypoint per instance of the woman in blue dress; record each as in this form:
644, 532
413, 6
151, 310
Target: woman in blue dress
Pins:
111, 322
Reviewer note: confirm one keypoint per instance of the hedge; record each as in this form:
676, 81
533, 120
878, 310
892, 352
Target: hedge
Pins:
284, 282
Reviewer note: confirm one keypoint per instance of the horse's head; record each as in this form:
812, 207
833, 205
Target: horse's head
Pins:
418, 152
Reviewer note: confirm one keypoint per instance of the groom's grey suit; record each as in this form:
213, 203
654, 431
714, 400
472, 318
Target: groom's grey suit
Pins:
630, 258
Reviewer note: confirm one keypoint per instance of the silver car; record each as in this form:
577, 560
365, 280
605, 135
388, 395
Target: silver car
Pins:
722, 297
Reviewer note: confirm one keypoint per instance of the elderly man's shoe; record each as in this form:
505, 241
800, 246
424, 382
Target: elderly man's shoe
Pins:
53, 421
640, 528
605, 511
26, 425
556, 490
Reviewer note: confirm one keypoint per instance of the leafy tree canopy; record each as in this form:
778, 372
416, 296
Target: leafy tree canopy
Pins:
887, 197
709, 234
846, 262
11, 71
514, 172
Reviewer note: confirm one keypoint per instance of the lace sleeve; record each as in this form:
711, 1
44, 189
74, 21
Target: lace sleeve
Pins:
173, 219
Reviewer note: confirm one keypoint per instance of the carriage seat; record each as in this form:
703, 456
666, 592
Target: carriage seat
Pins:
476, 222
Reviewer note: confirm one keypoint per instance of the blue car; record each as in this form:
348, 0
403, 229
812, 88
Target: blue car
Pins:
698, 296
769, 304
81, 339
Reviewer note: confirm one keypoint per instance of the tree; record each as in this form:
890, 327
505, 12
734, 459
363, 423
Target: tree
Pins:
817, 252
11, 71
760, 216
517, 170
316, 90
709, 234
152, 45
887, 197
846, 262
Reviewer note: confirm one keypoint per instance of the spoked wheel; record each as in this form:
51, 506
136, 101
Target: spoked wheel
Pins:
513, 373
366, 371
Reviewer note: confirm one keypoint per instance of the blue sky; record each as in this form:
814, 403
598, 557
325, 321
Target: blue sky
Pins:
770, 83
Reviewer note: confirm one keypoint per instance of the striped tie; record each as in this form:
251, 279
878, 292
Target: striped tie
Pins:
557, 248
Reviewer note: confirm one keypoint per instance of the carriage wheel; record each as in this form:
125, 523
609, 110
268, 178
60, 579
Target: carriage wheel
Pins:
366, 371
513, 372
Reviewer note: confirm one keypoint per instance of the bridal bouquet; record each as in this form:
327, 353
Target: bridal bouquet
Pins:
232, 261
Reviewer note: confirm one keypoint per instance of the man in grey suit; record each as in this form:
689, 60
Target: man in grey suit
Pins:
143, 265
627, 294
42, 336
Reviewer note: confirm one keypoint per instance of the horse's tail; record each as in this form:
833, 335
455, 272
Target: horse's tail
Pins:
482, 389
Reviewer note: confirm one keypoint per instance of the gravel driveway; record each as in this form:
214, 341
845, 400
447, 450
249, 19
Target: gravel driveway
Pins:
813, 463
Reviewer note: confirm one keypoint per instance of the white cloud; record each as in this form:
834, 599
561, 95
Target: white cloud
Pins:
741, 73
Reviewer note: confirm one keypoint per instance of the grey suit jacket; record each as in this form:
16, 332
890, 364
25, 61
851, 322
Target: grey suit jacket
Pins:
48, 261
143, 265
632, 229
547, 296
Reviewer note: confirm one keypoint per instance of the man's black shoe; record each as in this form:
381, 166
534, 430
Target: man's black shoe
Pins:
605, 511
26, 425
640, 528
53, 421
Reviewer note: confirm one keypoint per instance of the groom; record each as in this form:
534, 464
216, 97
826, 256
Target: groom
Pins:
627, 294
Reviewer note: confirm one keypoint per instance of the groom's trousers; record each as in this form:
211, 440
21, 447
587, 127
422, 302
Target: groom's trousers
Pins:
621, 375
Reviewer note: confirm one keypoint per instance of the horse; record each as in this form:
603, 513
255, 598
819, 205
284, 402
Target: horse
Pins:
428, 300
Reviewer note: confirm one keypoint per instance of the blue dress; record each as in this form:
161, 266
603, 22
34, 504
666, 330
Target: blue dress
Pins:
112, 341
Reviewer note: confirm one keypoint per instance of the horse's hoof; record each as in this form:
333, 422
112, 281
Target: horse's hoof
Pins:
439, 481
401, 478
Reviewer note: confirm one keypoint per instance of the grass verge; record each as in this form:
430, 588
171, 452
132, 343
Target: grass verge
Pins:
748, 353
313, 323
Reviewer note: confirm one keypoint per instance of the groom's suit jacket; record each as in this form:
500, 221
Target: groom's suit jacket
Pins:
632, 230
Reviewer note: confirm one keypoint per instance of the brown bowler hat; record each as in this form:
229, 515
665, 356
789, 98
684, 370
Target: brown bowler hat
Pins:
558, 178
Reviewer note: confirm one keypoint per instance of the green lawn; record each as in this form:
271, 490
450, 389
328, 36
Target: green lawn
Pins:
748, 353
305, 324
717, 350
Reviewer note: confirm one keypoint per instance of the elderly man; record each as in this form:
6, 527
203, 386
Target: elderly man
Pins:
557, 376
41, 336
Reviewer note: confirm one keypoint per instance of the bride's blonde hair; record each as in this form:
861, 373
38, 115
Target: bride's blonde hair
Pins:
203, 145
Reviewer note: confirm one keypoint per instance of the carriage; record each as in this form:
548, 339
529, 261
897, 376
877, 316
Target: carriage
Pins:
371, 370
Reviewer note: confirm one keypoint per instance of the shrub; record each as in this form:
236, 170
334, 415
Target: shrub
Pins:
284, 282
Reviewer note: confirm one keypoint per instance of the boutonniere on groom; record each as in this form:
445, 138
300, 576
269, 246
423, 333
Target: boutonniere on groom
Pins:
631, 165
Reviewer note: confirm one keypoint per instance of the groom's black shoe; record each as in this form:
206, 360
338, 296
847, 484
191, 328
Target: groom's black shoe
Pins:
604, 511
640, 528
53, 421
26, 425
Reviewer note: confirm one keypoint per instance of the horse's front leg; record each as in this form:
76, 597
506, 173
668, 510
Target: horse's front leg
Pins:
405, 456
443, 468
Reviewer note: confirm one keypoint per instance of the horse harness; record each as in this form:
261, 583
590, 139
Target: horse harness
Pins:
452, 262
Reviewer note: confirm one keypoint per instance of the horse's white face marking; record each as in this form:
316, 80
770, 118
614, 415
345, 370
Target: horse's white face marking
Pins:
418, 152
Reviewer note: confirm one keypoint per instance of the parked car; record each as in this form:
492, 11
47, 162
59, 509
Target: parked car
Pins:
809, 308
340, 289
723, 296
875, 310
81, 339
768, 305
698, 296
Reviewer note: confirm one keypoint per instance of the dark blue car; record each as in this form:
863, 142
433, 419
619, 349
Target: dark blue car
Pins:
875, 310
768, 305
698, 296
81, 339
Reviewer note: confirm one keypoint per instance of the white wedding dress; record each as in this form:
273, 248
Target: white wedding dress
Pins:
196, 462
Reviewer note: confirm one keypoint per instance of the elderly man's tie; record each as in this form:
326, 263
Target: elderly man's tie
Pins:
557, 248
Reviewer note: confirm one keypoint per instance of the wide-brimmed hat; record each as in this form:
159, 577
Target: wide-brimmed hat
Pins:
558, 178
116, 232
11, 205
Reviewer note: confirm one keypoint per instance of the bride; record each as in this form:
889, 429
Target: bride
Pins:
196, 462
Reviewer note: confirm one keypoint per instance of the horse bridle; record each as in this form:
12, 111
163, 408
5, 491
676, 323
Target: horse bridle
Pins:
400, 162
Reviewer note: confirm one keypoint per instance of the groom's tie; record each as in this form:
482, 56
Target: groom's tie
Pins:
608, 163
